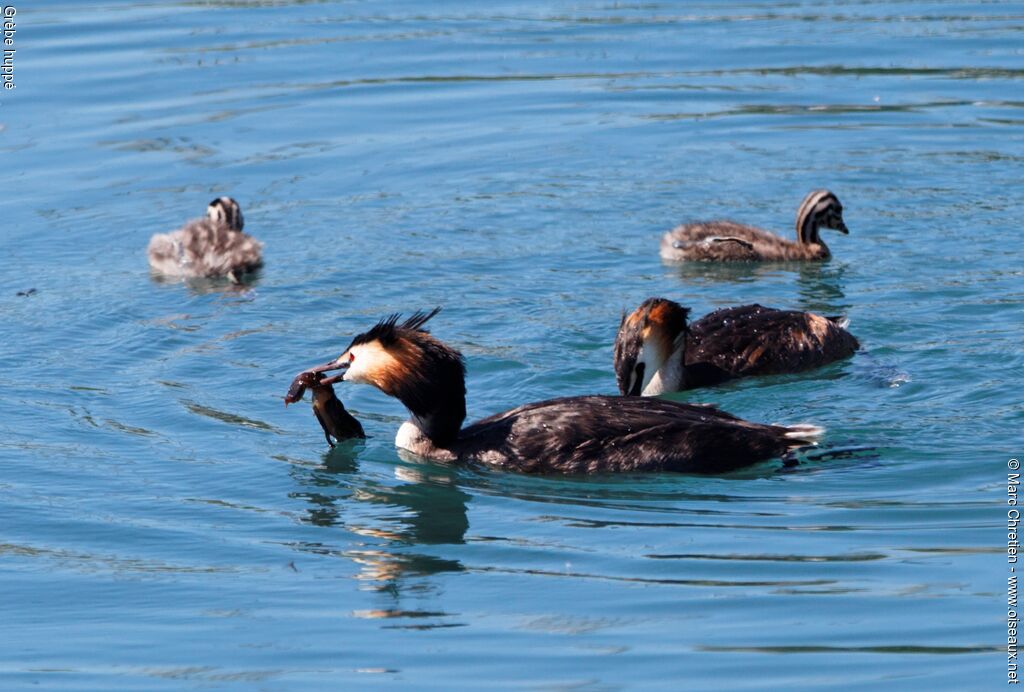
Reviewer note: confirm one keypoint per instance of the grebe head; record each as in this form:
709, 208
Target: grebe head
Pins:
646, 339
820, 209
405, 361
225, 210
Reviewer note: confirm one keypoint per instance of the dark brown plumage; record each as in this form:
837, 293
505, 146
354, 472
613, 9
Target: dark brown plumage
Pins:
614, 434
755, 340
728, 241
657, 352
586, 434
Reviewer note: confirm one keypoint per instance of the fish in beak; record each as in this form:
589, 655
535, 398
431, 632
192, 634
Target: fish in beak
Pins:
337, 423
340, 363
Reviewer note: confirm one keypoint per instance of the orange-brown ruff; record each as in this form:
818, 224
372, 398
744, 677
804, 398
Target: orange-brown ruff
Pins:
728, 241
210, 247
726, 344
584, 434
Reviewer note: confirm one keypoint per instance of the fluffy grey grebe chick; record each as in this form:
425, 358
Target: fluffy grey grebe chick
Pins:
583, 434
728, 241
657, 352
210, 247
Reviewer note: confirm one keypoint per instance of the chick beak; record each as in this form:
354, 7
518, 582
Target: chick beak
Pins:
841, 227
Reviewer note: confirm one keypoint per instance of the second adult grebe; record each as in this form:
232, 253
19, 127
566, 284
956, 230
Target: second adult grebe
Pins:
582, 434
657, 352
210, 247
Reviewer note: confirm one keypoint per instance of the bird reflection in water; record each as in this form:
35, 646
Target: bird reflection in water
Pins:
821, 288
425, 508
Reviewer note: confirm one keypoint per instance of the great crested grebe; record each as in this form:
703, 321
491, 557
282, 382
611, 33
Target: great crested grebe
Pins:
583, 434
657, 352
728, 241
206, 248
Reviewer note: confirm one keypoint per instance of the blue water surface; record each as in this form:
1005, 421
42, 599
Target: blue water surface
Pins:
166, 523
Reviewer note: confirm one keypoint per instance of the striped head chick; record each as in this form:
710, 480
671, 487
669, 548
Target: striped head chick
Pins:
650, 348
403, 360
225, 210
820, 209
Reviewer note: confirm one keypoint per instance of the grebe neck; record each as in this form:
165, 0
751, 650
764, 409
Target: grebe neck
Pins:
413, 436
670, 375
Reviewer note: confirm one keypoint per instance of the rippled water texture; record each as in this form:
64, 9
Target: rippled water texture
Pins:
166, 523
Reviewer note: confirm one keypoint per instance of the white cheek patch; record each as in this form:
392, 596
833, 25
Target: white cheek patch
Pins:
356, 375
357, 368
367, 363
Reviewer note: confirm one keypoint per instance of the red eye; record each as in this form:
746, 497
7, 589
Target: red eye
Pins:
351, 357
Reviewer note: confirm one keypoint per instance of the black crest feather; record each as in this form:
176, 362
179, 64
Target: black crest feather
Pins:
388, 329
419, 318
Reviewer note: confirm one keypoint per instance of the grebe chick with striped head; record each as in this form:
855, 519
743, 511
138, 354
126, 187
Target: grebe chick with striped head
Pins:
207, 248
728, 241
583, 434
656, 351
